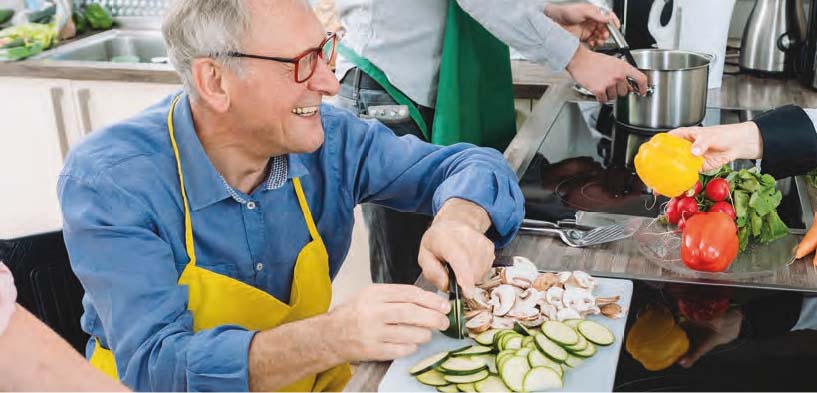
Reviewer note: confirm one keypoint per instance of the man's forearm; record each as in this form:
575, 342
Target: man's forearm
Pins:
466, 212
284, 355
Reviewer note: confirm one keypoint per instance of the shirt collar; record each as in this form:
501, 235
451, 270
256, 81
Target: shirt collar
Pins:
204, 185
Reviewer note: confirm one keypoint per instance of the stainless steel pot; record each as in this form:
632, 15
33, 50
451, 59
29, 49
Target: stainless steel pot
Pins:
678, 87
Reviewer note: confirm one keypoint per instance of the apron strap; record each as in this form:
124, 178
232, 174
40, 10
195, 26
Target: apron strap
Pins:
310, 223
188, 226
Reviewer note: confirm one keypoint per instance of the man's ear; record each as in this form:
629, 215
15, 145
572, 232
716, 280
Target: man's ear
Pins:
210, 83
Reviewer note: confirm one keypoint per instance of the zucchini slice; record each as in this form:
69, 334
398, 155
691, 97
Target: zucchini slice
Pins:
596, 333
462, 366
579, 346
489, 360
527, 341
572, 322
432, 378
514, 342
500, 333
519, 328
523, 351
473, 350
471, 378
513, 372
538, 359
501, 358
573, 361
428, 363
491, 384
466, 387
487, 337
539, 379
560, 333
448, 389
587, 352
550, 348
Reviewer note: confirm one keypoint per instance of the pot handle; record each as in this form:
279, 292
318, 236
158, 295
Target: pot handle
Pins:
634, 86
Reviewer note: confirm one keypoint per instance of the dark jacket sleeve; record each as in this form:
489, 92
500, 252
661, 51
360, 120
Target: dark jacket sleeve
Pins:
789, 141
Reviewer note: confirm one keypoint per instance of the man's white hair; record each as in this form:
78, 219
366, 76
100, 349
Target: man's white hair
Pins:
204, 28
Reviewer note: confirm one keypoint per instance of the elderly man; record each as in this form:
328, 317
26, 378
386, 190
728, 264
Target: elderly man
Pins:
206, 230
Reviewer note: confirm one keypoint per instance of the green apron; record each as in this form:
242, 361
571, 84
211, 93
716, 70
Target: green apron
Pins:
475, 88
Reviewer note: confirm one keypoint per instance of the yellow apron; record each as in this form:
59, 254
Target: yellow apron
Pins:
217, 300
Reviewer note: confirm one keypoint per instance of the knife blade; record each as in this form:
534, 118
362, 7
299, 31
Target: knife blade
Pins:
600, 219
456, 316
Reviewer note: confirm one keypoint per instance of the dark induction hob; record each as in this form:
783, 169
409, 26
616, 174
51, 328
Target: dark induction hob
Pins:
582, 169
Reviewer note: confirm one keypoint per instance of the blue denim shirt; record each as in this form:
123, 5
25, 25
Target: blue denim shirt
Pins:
123, 226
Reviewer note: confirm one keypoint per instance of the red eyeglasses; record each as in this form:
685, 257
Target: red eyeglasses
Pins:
306, 62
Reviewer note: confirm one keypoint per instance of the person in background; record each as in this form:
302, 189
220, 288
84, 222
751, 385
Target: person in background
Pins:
440, 70
34, 358
785, 139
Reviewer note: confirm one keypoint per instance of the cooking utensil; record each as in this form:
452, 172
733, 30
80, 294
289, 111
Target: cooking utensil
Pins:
773, 35
574, 237
677, 96
456, 317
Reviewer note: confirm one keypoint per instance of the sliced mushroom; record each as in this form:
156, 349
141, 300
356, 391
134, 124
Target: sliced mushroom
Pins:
490, 284
612, 310
480, 322
519, 277
545, 281
506, 296
502, 323
594, 310
567, 313
524, 307
601, 301
580, 279
578, 299
555, 295
524, 264
549, 311
536, 321
480, 301
564, 276
472, 313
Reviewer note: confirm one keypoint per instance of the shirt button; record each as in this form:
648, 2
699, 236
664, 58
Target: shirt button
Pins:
251, 205
259, 266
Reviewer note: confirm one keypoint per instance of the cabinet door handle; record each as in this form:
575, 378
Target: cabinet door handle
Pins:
84, 95
59, 119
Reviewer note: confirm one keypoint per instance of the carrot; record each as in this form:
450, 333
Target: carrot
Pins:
809, 242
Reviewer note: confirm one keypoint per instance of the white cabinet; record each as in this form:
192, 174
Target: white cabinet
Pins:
37, 117
99, 104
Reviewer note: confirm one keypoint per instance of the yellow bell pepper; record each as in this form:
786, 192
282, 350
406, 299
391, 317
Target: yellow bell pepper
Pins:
655, 340
665, 163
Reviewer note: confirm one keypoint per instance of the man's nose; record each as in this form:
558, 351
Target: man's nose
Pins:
324, 80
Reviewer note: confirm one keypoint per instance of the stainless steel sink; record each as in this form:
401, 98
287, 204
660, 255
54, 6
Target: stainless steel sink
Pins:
114, 46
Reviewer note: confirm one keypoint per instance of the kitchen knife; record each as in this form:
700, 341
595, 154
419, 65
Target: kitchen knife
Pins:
456, 317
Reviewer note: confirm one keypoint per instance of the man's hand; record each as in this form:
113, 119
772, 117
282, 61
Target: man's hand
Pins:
386, 321
720, 145
457, 237
585, 21
605, 76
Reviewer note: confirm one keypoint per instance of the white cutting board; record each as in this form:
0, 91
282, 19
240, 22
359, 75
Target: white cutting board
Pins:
597, 373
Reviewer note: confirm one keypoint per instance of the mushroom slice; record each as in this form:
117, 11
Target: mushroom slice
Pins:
505, 296
480, 322
472, 313
502, 323
549, 311
612, 310
555, 295
524, 307
580, 279
567, 313
524, 264
564, 276
578, 299
601, 301
518, 277
545, 281
538, 320
480, 301
490, 284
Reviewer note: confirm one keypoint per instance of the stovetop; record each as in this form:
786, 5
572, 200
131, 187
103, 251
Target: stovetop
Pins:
577, 168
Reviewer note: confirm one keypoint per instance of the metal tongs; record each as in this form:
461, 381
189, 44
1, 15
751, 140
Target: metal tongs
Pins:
456, 317
624, 49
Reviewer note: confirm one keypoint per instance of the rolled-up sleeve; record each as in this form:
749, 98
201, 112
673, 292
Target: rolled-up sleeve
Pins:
132, 301
407, 174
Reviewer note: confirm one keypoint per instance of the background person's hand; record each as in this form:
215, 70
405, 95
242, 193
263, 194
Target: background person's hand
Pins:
722, 144
386, 322
605, 76
585, 21
457, 237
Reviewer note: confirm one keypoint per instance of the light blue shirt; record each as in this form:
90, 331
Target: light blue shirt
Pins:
124, 228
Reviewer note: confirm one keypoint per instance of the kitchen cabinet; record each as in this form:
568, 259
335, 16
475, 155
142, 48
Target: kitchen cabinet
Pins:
99, 103
37, 119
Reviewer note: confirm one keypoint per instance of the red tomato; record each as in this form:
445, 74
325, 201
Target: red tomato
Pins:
709, 242
672, 212
724, 207
687, 207
695, 190
717, 189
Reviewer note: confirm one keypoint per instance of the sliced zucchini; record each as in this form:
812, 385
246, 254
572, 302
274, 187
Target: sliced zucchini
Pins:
550, 348
527, 341
587, 352
501, 359
489, 360
539, 379
560, 333
523, 351
500, 333
513, 372
521, 329
448, 389
502, 342
573, 361
462, 366
471, 378
491, 384
473, 350
596, 333
487, 337
538, 359
429, 363
432, 378
514, 342
466, 387
572, 322
579, 346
